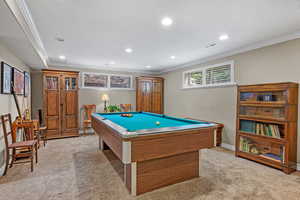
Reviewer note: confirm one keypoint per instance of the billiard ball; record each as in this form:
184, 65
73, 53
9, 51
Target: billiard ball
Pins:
157, 123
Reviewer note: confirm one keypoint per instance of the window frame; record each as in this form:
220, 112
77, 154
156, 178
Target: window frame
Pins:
203, 69
108, 81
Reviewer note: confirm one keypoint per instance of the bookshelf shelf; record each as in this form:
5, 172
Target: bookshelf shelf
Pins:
261, 137
262, 119
266, 104
267, 124
262, 160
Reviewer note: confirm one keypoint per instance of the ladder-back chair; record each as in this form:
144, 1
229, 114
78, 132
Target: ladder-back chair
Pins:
23, 149
125, 107
87, 121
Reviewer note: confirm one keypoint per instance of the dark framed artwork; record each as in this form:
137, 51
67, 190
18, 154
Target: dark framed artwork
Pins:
26, 84
6, 78
18, 80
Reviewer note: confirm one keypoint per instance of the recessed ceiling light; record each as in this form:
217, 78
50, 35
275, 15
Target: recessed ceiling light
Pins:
62, 57
112, 62
172, 57
223, 37
148, 66
167, 21
60, 39
128, 50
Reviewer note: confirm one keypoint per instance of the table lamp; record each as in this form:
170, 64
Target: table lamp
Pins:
105, 98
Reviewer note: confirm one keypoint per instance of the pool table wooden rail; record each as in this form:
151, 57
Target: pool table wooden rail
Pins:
156, 160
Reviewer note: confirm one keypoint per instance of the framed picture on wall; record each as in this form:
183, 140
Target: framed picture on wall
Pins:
94, 80
18, 81
120, 82
26, 84
6, 78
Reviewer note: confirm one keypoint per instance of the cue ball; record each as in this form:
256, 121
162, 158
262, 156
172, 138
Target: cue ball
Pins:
157, 123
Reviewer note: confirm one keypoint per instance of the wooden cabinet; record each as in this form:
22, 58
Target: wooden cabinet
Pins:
149, 94
60, 99
267, 124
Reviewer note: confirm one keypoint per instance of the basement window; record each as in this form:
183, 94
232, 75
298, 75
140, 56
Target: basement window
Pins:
210, 76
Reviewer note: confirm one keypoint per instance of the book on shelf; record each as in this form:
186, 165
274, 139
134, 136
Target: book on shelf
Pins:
263, 129
272, 157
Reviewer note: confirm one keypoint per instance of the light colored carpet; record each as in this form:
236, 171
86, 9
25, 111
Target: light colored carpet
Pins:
75, 169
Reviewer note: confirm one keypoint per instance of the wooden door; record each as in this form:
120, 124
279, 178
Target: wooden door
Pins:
52, 104
157, 96
144, 95
69, 108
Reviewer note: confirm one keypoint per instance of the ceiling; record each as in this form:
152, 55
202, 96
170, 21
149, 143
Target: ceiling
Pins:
13, 37
96, 32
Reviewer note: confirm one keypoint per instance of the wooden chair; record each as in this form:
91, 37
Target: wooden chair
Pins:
125, 107
40, 131
23, 149
87, 121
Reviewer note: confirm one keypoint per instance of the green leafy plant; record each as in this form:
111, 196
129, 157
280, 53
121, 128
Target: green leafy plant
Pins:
113, 108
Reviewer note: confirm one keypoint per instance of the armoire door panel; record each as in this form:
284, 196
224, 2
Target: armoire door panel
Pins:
71, 122
52, 123
52, 103
71, 102
146, 95
157, 97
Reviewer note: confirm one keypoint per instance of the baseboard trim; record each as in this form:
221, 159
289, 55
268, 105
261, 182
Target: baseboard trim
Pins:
228, 146
90, 131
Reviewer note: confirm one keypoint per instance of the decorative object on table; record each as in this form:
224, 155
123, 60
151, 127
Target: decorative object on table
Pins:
121, 81
105, 98
18, 80
127, 115
125, 107
113, 108
27, 114
6, 78
94, 80
26, 84
87, 121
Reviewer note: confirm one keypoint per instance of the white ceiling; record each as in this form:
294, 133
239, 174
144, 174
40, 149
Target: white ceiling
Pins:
13, 37
96, 32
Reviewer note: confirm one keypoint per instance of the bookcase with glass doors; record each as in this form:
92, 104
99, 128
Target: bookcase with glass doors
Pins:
267, 124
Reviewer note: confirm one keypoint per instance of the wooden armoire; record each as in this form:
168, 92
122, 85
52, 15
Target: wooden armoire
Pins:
60, 103
150, 94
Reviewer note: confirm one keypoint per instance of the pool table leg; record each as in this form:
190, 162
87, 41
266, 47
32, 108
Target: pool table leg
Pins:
199, 165
101, 144
133, 179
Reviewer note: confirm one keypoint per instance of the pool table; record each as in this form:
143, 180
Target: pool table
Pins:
156, 150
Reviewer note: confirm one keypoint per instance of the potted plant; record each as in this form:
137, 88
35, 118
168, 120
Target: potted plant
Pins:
113, 108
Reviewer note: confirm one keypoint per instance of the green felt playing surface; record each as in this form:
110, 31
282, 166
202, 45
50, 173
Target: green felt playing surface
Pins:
145, 120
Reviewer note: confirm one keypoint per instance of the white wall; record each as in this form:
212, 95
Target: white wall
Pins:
7, 103
276, 63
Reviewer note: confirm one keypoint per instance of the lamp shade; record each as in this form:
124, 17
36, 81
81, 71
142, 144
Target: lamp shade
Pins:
105, 97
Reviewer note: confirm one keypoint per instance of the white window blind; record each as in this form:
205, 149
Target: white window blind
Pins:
217, 75
194, 78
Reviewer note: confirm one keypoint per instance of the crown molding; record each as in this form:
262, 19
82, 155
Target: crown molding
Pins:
20, 11
104, 68
247, 48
